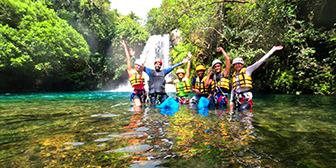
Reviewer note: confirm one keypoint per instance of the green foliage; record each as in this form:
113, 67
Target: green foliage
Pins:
80, 52
83, 52
96, 23
179, 52
134, 35
249, 29
102, 29
39, 41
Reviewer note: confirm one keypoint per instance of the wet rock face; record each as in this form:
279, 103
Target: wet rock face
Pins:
323, 12
175, 37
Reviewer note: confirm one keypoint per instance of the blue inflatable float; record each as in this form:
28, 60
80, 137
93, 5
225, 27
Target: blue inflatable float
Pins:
169, 106
203, 106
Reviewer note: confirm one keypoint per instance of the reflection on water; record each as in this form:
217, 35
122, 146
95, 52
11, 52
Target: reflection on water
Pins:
74, 143
105, 115
84, 129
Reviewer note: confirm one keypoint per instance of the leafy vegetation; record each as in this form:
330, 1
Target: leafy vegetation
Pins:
58, 45
103, 29
37, 46
74, 45
249, 29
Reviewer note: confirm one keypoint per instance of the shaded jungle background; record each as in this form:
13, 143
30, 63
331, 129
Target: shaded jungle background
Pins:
74, 45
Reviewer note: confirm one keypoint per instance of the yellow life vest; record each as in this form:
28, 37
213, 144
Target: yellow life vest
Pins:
185, 83
200, 85
136, 78
224, 82
241, 79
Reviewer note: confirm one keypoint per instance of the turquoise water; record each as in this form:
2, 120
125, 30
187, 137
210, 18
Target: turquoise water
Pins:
83, 129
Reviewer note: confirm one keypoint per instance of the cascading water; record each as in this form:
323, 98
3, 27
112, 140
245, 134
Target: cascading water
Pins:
157, 47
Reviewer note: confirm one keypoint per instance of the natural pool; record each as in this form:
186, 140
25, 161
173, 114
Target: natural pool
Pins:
82, 129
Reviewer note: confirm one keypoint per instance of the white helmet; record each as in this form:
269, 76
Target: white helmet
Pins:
238, 60
179, 71
138, 62
216, 61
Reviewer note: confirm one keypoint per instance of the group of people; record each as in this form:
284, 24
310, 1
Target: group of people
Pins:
215, 86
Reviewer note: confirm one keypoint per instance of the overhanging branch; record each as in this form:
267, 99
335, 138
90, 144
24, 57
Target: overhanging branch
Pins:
225, 1
220, 35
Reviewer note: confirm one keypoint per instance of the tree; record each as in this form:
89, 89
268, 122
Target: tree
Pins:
248, 29
102, 30
37, 45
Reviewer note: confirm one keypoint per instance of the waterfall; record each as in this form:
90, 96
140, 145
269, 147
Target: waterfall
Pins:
158, 46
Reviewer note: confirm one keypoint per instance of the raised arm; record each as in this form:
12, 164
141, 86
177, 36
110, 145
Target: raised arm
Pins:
143, 65
168, 70
209, 79
251, 68
185, 60
227, 62
132, 53
188, 66
129, 65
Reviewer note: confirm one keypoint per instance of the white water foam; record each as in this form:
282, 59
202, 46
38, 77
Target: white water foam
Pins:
157, 47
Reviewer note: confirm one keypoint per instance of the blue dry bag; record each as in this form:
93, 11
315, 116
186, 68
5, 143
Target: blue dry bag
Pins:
168, 107
203, 106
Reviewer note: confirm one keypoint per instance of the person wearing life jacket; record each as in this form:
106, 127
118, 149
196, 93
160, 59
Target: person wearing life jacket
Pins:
157, 83
241, 92
182, 84
199, 86
136, 78
220, 80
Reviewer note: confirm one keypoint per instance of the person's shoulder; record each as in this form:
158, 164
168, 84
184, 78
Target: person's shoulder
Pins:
132, 71
185, 79
147, 70
223, 74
